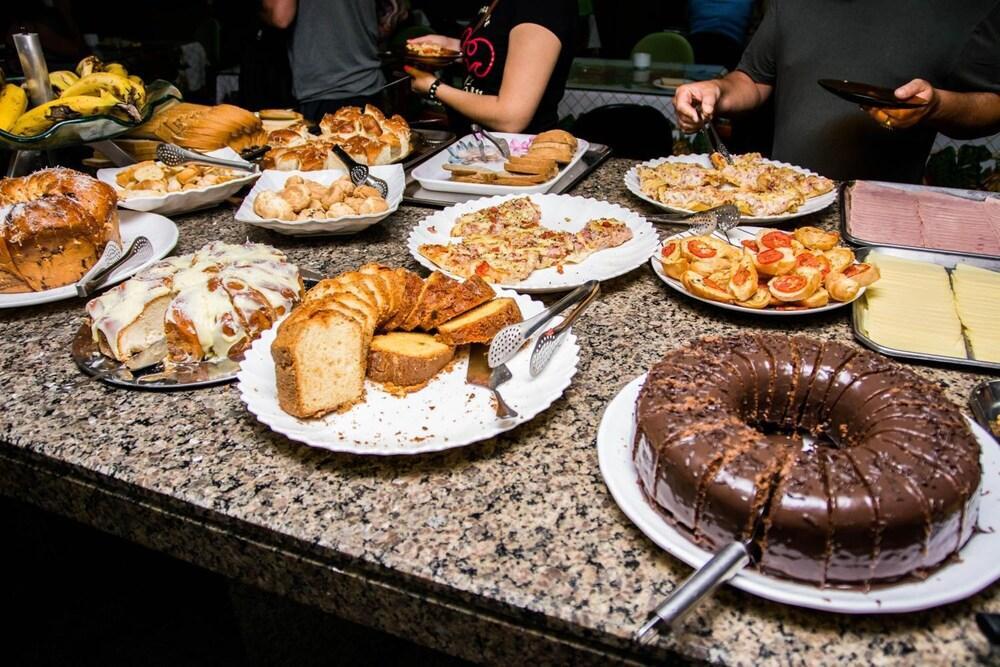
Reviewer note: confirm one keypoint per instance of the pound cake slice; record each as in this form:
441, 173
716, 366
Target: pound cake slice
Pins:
407, 360
319, 358
446, 298
411, 287
480, 324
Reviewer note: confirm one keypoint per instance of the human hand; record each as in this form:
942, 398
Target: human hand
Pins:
440, 40
422, 80
917, 91
695, 103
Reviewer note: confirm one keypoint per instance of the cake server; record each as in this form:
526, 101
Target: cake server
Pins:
479, 374
719, 569
510, 339
550, 339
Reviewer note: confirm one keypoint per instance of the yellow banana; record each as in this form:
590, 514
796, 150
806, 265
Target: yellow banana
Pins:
44, 116
137, 81
89, 65
116, 68
125, 90
61, 80
13, 102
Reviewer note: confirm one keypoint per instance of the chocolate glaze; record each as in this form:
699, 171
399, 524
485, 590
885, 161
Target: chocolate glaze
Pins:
889, 487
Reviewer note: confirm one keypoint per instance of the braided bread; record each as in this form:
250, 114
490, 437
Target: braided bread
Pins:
54, 225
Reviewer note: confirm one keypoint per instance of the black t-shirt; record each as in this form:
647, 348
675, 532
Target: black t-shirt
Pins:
485, 51
953, 45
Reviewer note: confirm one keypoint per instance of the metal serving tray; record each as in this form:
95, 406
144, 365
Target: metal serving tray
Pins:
844, 204
418, 196
984, 401
947, 260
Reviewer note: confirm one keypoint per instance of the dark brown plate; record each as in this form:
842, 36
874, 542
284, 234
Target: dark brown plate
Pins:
434, 62
866, 94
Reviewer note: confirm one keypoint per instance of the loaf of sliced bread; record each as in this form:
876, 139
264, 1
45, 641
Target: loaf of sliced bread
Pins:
319, 355
411, 285
406, 359
480, 324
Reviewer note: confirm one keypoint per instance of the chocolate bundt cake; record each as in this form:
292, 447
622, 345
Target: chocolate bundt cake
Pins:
887, 486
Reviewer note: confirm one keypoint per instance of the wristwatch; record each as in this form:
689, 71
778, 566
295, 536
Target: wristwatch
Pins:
432, 91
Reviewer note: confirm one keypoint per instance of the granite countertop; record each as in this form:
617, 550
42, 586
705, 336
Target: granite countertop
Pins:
509, 548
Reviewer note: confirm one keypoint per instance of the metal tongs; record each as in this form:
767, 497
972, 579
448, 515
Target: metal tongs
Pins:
509, 340
110, 261
173, 155
360, 174
550, 339
714, 140
722, 218
720, 568
499, 142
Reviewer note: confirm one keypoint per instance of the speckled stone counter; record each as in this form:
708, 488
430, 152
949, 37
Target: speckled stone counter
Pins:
509, 550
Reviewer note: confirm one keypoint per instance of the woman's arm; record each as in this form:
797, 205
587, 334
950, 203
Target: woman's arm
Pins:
531, 58
278, 13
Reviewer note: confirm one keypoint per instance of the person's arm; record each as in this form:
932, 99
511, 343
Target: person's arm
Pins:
278, 13
695, 103
531, 58
958, 115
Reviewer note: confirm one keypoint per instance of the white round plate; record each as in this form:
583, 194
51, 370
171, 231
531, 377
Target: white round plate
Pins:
432, 176
184, 201
273, 179
446, 413
737, 234
161, 232
977, 567
812, 205
560, 212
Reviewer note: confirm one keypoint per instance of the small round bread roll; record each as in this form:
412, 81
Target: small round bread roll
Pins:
334, 195
345, 183
312, 213
366, 191
269, 205
297, 195
339, 210
354, 202
373, 205
295, 180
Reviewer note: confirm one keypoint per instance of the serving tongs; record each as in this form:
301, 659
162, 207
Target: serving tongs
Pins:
360, 174
173, 155
110, 261
713, 138
722, 218
509, 340
720, 568
550, 339
479, 131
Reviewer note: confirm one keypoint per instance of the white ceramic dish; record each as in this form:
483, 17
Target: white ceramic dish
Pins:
446, 413
432, 176
737, 234
348, 224
184, 201
977, 567
161, 231
812, 205
560, 212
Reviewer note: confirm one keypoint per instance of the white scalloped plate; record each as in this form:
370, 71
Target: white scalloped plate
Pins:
273, 179
162, 233
560, 212
737, 234
446, 413
812, 205
184, 201
977, 567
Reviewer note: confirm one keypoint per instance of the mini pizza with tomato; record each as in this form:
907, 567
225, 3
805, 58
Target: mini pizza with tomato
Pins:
506, 243
805, 269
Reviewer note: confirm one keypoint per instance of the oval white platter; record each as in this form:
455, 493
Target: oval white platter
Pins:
737, 234
975, 569
446, 413
349, 224
432, 176
812, 205
185, 201
161, 232
559, 212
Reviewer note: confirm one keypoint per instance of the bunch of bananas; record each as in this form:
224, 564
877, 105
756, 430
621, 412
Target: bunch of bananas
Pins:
94, 88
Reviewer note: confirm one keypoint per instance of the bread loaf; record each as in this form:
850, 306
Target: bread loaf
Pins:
55, 224
480, 324
406, 359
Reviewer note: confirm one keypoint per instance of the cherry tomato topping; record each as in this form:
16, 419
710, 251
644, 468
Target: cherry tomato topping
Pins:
790, 283
815, 261
668, 249
701, 249
713, 284
776, 240
855, 269
750, 243
741, 276
482, 269
769, 257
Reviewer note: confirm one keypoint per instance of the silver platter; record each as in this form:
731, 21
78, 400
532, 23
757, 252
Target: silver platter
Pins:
155, 378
